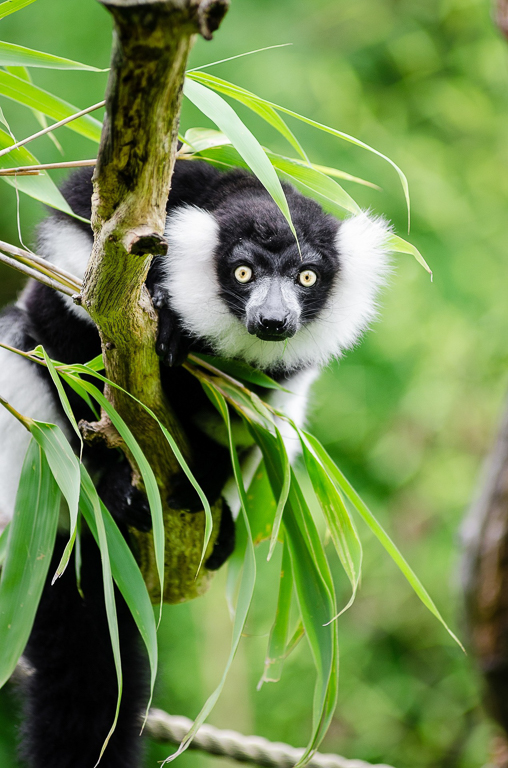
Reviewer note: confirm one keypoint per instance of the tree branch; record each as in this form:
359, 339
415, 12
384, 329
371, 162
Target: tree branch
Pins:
131, 185
485, 576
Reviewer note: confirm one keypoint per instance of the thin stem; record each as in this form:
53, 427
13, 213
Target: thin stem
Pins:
28, 356
27, 423
52, 128
36, 275
33, 170
31, 259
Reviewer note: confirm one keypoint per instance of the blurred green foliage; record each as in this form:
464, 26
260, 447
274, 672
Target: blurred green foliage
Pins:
410, 414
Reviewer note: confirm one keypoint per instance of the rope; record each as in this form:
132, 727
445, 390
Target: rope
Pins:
171, 729
162, 727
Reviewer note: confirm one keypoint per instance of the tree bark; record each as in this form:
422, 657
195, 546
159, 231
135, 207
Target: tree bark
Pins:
485, 577
152, 40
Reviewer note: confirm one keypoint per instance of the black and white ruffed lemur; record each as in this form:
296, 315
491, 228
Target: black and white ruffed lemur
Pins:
232, 284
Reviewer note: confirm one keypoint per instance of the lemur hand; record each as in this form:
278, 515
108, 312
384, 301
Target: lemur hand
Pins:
127, 504
173, 344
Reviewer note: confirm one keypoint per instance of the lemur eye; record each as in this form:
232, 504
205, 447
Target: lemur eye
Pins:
243, 274
307, 278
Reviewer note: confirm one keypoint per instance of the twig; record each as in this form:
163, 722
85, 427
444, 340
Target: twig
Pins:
34, 170
52, 128
245, 749
42, 278
48, 268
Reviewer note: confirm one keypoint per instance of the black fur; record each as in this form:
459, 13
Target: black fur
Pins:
70, 697
72, 692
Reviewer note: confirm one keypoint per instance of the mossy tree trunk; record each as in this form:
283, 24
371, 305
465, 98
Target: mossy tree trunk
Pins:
152, 40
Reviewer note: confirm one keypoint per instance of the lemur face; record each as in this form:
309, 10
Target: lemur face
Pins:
237, 280
271, 288
271, 283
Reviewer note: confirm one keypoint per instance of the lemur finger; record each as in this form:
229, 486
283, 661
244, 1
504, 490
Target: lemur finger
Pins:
166, 327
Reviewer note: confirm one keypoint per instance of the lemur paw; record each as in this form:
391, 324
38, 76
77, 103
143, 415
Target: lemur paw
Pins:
172, 342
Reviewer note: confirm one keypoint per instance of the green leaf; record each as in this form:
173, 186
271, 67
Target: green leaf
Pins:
314, 184
222, 86
284, 493
3, 543
109, 594
336, 173
246, 589
11, 6
31, 96
279, 633
314, 589
31, 540
97, 364
239, 370
264, 110
24, 74
88, 370
125, 572
40, 187
342, 531
199, 139
307, 179
397, 244
64, 400
149, 481
65, 468
219, 111
378, 531
17, 56
261, 505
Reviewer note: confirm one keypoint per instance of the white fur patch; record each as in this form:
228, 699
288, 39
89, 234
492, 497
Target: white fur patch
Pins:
67, 246
191, 281
22, 387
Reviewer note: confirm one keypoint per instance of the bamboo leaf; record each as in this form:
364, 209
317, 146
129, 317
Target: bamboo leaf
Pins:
306, 178
239, 370
64, 400
31, 540
378, 531
40, 187
279, 633
235, 92
149, 481
3, 543
284, 493
109, 595
342, 531
31, 96
41, 119
214, 107
11, 6
125, 572
17, 56
314, 589
247, 582
65, 468
397, 244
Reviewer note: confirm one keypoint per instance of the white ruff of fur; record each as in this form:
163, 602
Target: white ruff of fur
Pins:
24, 388
67, 246
192, 283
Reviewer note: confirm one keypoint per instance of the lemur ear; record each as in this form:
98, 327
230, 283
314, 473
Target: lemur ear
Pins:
364, 257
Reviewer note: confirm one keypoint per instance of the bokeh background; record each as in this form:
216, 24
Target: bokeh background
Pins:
411, 413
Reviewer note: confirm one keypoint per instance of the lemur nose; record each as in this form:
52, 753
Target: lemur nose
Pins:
273, 324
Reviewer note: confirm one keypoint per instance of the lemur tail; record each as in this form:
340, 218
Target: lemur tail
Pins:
70, 697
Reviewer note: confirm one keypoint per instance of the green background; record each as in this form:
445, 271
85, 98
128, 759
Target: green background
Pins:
411, 413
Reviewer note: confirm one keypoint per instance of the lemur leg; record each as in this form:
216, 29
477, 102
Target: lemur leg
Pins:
71, 693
